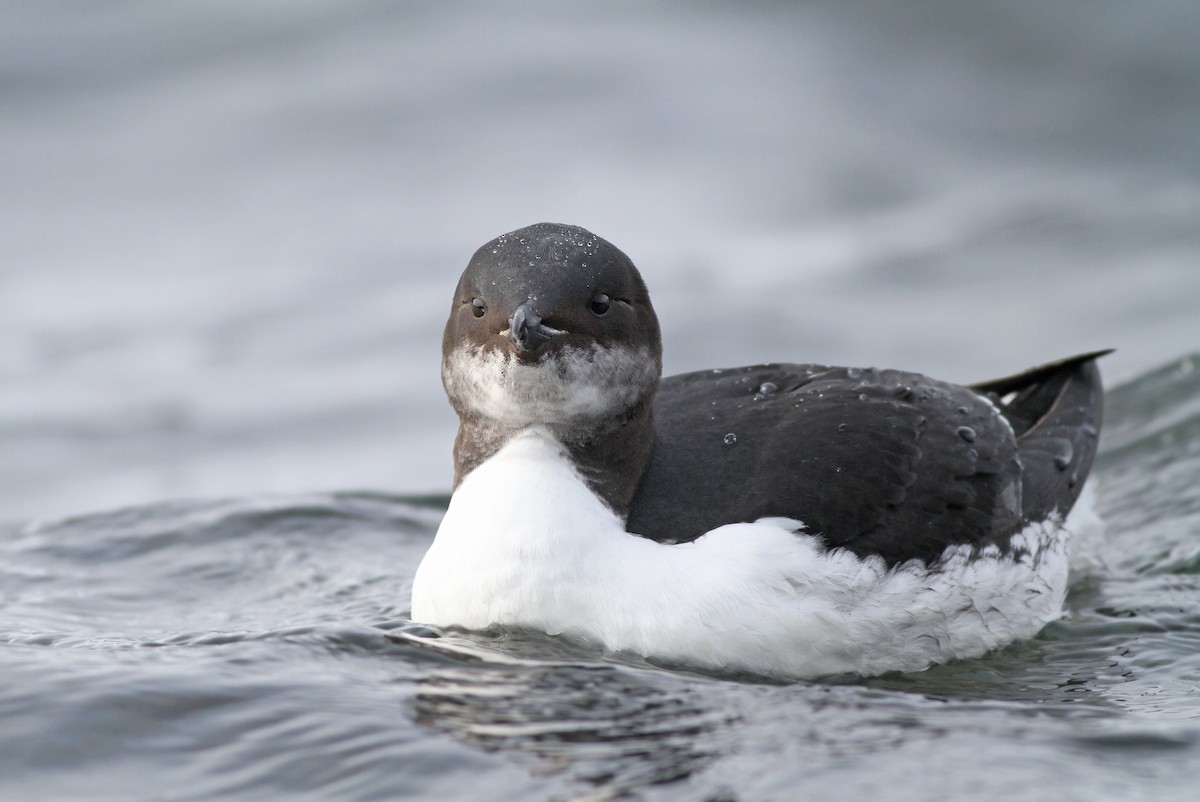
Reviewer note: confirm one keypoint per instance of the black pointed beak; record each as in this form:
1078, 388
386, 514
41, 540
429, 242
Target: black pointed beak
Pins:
526, 330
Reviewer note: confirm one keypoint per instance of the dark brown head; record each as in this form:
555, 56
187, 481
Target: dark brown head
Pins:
550, 325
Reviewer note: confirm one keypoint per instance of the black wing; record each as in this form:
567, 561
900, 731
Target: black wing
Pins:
875, 461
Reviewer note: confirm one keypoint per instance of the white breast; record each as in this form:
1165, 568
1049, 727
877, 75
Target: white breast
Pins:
526, 543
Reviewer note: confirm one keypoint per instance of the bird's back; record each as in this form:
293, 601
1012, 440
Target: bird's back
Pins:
879, 462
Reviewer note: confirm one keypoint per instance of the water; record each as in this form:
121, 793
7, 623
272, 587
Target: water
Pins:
228, 236
259, 648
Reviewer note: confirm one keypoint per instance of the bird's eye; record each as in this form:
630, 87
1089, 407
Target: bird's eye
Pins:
478, 307
599, 304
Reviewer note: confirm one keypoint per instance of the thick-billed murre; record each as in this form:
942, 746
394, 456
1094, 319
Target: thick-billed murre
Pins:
786, 520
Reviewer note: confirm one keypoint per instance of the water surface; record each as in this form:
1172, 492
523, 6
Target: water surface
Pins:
260, 648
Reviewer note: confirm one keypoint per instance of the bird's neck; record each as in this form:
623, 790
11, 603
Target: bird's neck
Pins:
609, 456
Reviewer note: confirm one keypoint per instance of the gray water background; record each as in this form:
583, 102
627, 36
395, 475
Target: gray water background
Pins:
228, 235
229, 231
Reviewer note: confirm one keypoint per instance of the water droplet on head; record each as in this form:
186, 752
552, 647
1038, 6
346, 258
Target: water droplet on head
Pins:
843, 427
730, 439
963, 410
862, 396
966, 433
854, 373
766, 388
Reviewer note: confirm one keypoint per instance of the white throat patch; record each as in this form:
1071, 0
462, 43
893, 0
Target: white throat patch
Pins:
577, 383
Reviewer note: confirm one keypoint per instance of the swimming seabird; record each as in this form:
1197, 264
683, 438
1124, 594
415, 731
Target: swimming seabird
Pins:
781, 519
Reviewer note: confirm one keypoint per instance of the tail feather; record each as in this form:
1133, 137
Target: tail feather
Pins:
1056, 411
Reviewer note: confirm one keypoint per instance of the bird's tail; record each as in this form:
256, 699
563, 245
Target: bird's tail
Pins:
1056, 411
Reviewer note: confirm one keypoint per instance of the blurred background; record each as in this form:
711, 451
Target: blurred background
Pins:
229, 231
